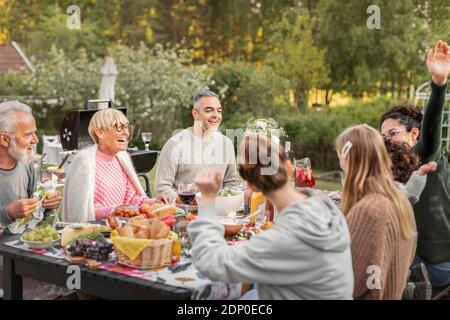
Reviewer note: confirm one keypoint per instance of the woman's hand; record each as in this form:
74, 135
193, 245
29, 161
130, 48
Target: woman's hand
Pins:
438, 63
427, 168
209, 183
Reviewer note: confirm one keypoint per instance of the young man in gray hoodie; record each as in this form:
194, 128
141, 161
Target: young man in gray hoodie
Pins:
304, 255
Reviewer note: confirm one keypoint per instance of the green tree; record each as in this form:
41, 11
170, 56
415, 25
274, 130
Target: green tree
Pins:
155, 85
51, 29
437, 13
295, 56
362, 60
245, 88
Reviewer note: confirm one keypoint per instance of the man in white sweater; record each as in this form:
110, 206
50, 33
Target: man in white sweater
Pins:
195, 148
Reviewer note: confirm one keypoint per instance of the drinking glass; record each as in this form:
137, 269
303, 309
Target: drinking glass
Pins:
147, 138
186, 193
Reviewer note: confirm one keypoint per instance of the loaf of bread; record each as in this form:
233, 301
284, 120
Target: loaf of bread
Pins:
126, 231
138, 221
158, 230
142, 233
140, 228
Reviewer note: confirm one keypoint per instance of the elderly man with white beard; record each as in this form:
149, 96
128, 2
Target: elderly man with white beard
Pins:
18, 181
17, 176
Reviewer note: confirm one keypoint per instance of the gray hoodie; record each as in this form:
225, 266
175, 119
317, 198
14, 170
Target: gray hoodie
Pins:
305, 255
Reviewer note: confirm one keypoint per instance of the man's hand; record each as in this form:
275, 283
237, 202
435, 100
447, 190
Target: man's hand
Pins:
438, 63
427, 168
22, 208
53, 201
209, 182
163, 198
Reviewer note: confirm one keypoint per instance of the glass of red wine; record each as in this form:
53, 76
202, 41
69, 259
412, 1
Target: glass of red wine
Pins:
304, 175
186, 193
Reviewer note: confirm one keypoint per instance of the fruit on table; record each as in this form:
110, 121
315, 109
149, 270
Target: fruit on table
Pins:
97, 250
42, 194
44, 234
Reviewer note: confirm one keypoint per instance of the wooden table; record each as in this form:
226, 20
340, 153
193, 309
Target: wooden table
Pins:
18, 263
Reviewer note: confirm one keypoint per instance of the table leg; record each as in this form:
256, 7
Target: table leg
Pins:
12, 283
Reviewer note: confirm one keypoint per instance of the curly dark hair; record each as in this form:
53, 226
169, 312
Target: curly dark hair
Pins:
408, 115
403, 161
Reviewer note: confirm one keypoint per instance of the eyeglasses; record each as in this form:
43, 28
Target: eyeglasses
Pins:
392, 133
121, 126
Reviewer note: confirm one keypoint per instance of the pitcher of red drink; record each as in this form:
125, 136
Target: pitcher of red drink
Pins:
304, 175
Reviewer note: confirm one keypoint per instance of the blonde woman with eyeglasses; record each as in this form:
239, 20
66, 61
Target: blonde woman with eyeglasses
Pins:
379, 216
102, 176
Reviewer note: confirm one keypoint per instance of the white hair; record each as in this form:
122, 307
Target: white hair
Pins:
204, 93
7, 114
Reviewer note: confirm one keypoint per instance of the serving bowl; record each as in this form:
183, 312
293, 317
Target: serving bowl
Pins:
227, 206
232, 226
39, 245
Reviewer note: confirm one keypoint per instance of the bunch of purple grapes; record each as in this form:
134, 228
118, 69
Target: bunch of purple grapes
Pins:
90, 249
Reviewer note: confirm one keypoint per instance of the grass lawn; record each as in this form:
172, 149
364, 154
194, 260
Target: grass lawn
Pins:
328, 185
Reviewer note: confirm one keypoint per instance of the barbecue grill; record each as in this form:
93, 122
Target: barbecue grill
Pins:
74, 135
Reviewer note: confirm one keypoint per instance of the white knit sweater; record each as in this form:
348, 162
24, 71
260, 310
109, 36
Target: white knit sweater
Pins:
78, 197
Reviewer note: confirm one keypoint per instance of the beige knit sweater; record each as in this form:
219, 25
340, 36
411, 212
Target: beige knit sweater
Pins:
377, 241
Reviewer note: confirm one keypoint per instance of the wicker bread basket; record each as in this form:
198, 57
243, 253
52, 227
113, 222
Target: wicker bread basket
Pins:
157, 255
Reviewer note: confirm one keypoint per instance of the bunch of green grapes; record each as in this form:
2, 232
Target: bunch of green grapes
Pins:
44, 234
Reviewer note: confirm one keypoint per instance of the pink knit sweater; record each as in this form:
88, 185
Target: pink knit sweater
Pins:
113, 187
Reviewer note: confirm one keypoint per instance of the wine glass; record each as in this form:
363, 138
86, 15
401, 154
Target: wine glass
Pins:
186, 193
147, 138
304, 176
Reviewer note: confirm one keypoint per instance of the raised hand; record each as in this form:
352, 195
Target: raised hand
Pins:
427, 168
209, 182
438, 62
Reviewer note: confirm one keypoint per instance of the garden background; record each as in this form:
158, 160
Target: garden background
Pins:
314, 66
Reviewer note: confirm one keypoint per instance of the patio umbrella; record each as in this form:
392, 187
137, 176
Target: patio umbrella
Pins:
109, 72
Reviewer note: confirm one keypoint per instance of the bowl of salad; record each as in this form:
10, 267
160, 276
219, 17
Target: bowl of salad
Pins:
228, 201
